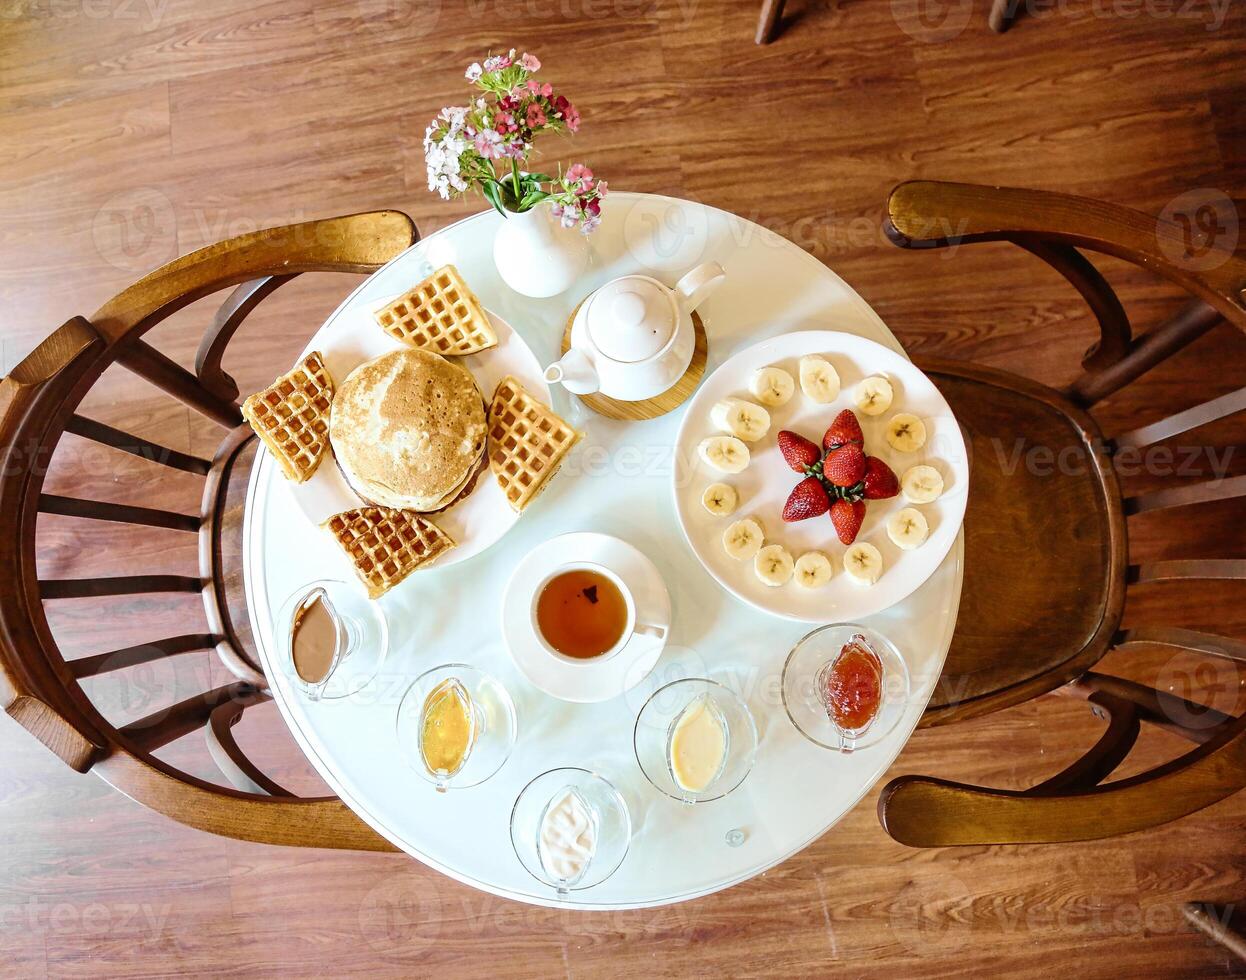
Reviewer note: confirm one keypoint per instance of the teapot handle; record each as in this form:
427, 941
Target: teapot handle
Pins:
694, 288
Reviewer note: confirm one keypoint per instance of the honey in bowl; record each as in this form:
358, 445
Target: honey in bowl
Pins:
581, 613
447, 728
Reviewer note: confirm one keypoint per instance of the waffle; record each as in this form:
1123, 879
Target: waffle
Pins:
441, 314
386, 545
291, 416
527, 443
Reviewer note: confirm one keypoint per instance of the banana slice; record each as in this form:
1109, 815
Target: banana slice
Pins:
772, 386
863, 563
907, 528
720, 499
813, 570
742, 419
873, 395
742, 540
773, 565
727, 454
906, 433
818, 380
921, 484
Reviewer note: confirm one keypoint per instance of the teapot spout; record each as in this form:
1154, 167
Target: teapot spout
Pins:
575, 372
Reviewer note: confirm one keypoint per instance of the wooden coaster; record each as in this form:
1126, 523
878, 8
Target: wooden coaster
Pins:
650, 408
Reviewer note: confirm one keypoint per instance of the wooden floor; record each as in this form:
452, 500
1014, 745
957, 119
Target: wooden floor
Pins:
131, 130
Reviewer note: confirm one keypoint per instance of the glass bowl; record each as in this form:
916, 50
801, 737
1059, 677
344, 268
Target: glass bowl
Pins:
608, 813
801, 687
362, 645
491, 719
655, 731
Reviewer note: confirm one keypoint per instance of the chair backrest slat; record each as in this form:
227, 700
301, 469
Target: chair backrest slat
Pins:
1195, 641
166, 374
143, 653
1115, 333
1199, 568
169, 724
1183, 496
89, 588
1116, 742
1160, 708
100, 510
106, 435
1191, 418
229, 317
1155, 346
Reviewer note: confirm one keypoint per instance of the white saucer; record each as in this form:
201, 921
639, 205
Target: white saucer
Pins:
592, 680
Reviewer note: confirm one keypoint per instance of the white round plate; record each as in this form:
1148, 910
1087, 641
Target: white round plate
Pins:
592, 680
765, 485
349, 338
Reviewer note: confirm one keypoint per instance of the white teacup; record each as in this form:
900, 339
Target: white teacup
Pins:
630, 629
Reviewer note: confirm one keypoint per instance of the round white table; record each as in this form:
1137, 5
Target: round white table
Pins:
617, 481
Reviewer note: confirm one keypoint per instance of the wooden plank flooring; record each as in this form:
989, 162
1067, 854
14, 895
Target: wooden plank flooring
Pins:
132, 130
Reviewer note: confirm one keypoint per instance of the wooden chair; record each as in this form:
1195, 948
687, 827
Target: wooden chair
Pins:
1038, 619
39, 402
1000, 18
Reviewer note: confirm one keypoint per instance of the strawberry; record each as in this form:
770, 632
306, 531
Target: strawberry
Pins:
798, 452
880, 480
807, 500
843, 430
844, 466
847, 516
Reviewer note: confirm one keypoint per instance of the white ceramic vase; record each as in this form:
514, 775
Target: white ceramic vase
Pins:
536, 256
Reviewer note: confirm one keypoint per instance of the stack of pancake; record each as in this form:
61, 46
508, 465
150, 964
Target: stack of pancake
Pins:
408, 431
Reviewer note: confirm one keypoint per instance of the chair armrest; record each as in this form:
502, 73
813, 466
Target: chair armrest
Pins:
926, 213
925, 812
353, 243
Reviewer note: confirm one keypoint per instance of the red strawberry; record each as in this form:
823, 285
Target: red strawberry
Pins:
844, 466
847, 516
807, 500
798, 452
843, 430
880, 480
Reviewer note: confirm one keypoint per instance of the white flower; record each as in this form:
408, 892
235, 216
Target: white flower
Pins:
474, 71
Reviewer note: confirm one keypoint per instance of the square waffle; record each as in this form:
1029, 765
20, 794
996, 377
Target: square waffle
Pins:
386, 545
527, 443
291, 417
441, 314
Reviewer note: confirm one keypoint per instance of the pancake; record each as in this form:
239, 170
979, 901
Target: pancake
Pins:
408, 430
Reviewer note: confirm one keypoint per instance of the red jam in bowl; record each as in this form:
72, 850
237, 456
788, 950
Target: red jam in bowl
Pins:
852, 686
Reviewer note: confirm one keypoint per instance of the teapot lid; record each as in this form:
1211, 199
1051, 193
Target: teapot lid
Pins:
630, 319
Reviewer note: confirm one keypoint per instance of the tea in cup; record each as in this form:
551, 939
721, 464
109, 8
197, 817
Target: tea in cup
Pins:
585, 612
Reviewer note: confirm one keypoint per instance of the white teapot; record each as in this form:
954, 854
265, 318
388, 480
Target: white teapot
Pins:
633, 338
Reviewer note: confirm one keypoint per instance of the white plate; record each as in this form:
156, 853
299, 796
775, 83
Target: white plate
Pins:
764, 486
349, 338
592, 680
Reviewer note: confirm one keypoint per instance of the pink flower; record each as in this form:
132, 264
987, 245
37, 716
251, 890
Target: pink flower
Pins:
498, 61
600, 189
489, 144
578, 173
474, 71
536, 116
530, 62
571, 116
504, 122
